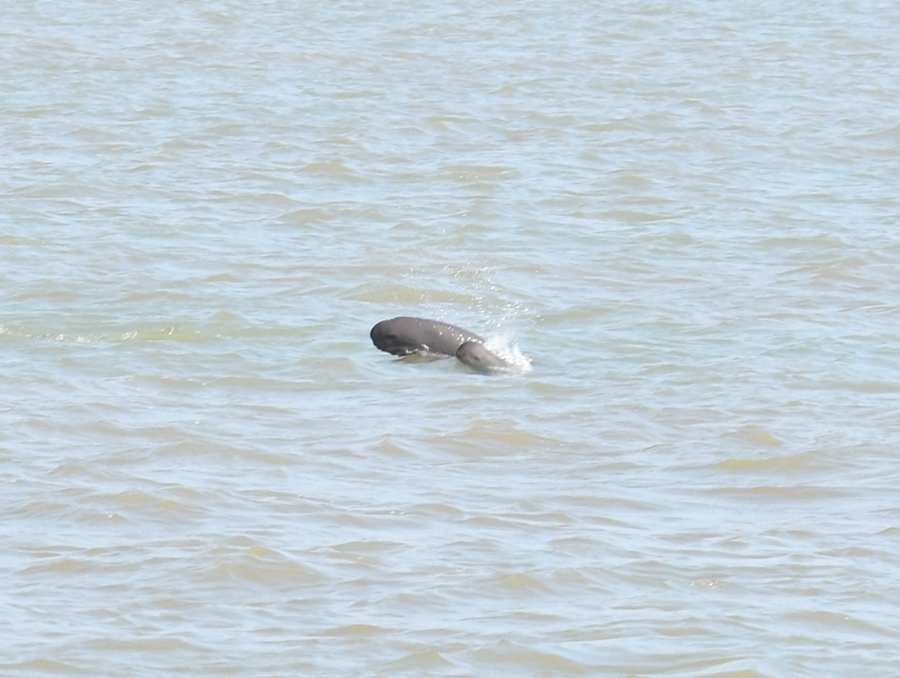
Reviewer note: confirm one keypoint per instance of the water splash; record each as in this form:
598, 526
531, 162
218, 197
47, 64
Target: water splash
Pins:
502, 345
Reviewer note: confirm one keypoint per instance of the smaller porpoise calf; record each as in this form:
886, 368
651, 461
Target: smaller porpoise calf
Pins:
477, 356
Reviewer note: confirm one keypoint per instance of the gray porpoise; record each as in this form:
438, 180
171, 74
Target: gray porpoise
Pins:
481, 359
404, 336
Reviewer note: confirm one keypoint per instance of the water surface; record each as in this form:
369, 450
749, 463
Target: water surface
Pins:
685, 214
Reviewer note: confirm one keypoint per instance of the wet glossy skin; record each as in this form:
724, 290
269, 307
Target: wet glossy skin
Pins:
404, 335
479, 358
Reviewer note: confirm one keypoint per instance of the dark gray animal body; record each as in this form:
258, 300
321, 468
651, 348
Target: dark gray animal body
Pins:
479, 358
404, 336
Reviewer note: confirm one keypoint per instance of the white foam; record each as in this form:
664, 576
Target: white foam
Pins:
503, 347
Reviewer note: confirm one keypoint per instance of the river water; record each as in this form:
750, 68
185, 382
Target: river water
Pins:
686, 216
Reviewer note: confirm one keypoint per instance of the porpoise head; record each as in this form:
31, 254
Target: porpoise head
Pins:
390, 339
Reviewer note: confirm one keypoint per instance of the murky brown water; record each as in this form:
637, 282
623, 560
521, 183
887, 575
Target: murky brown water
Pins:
686, 215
